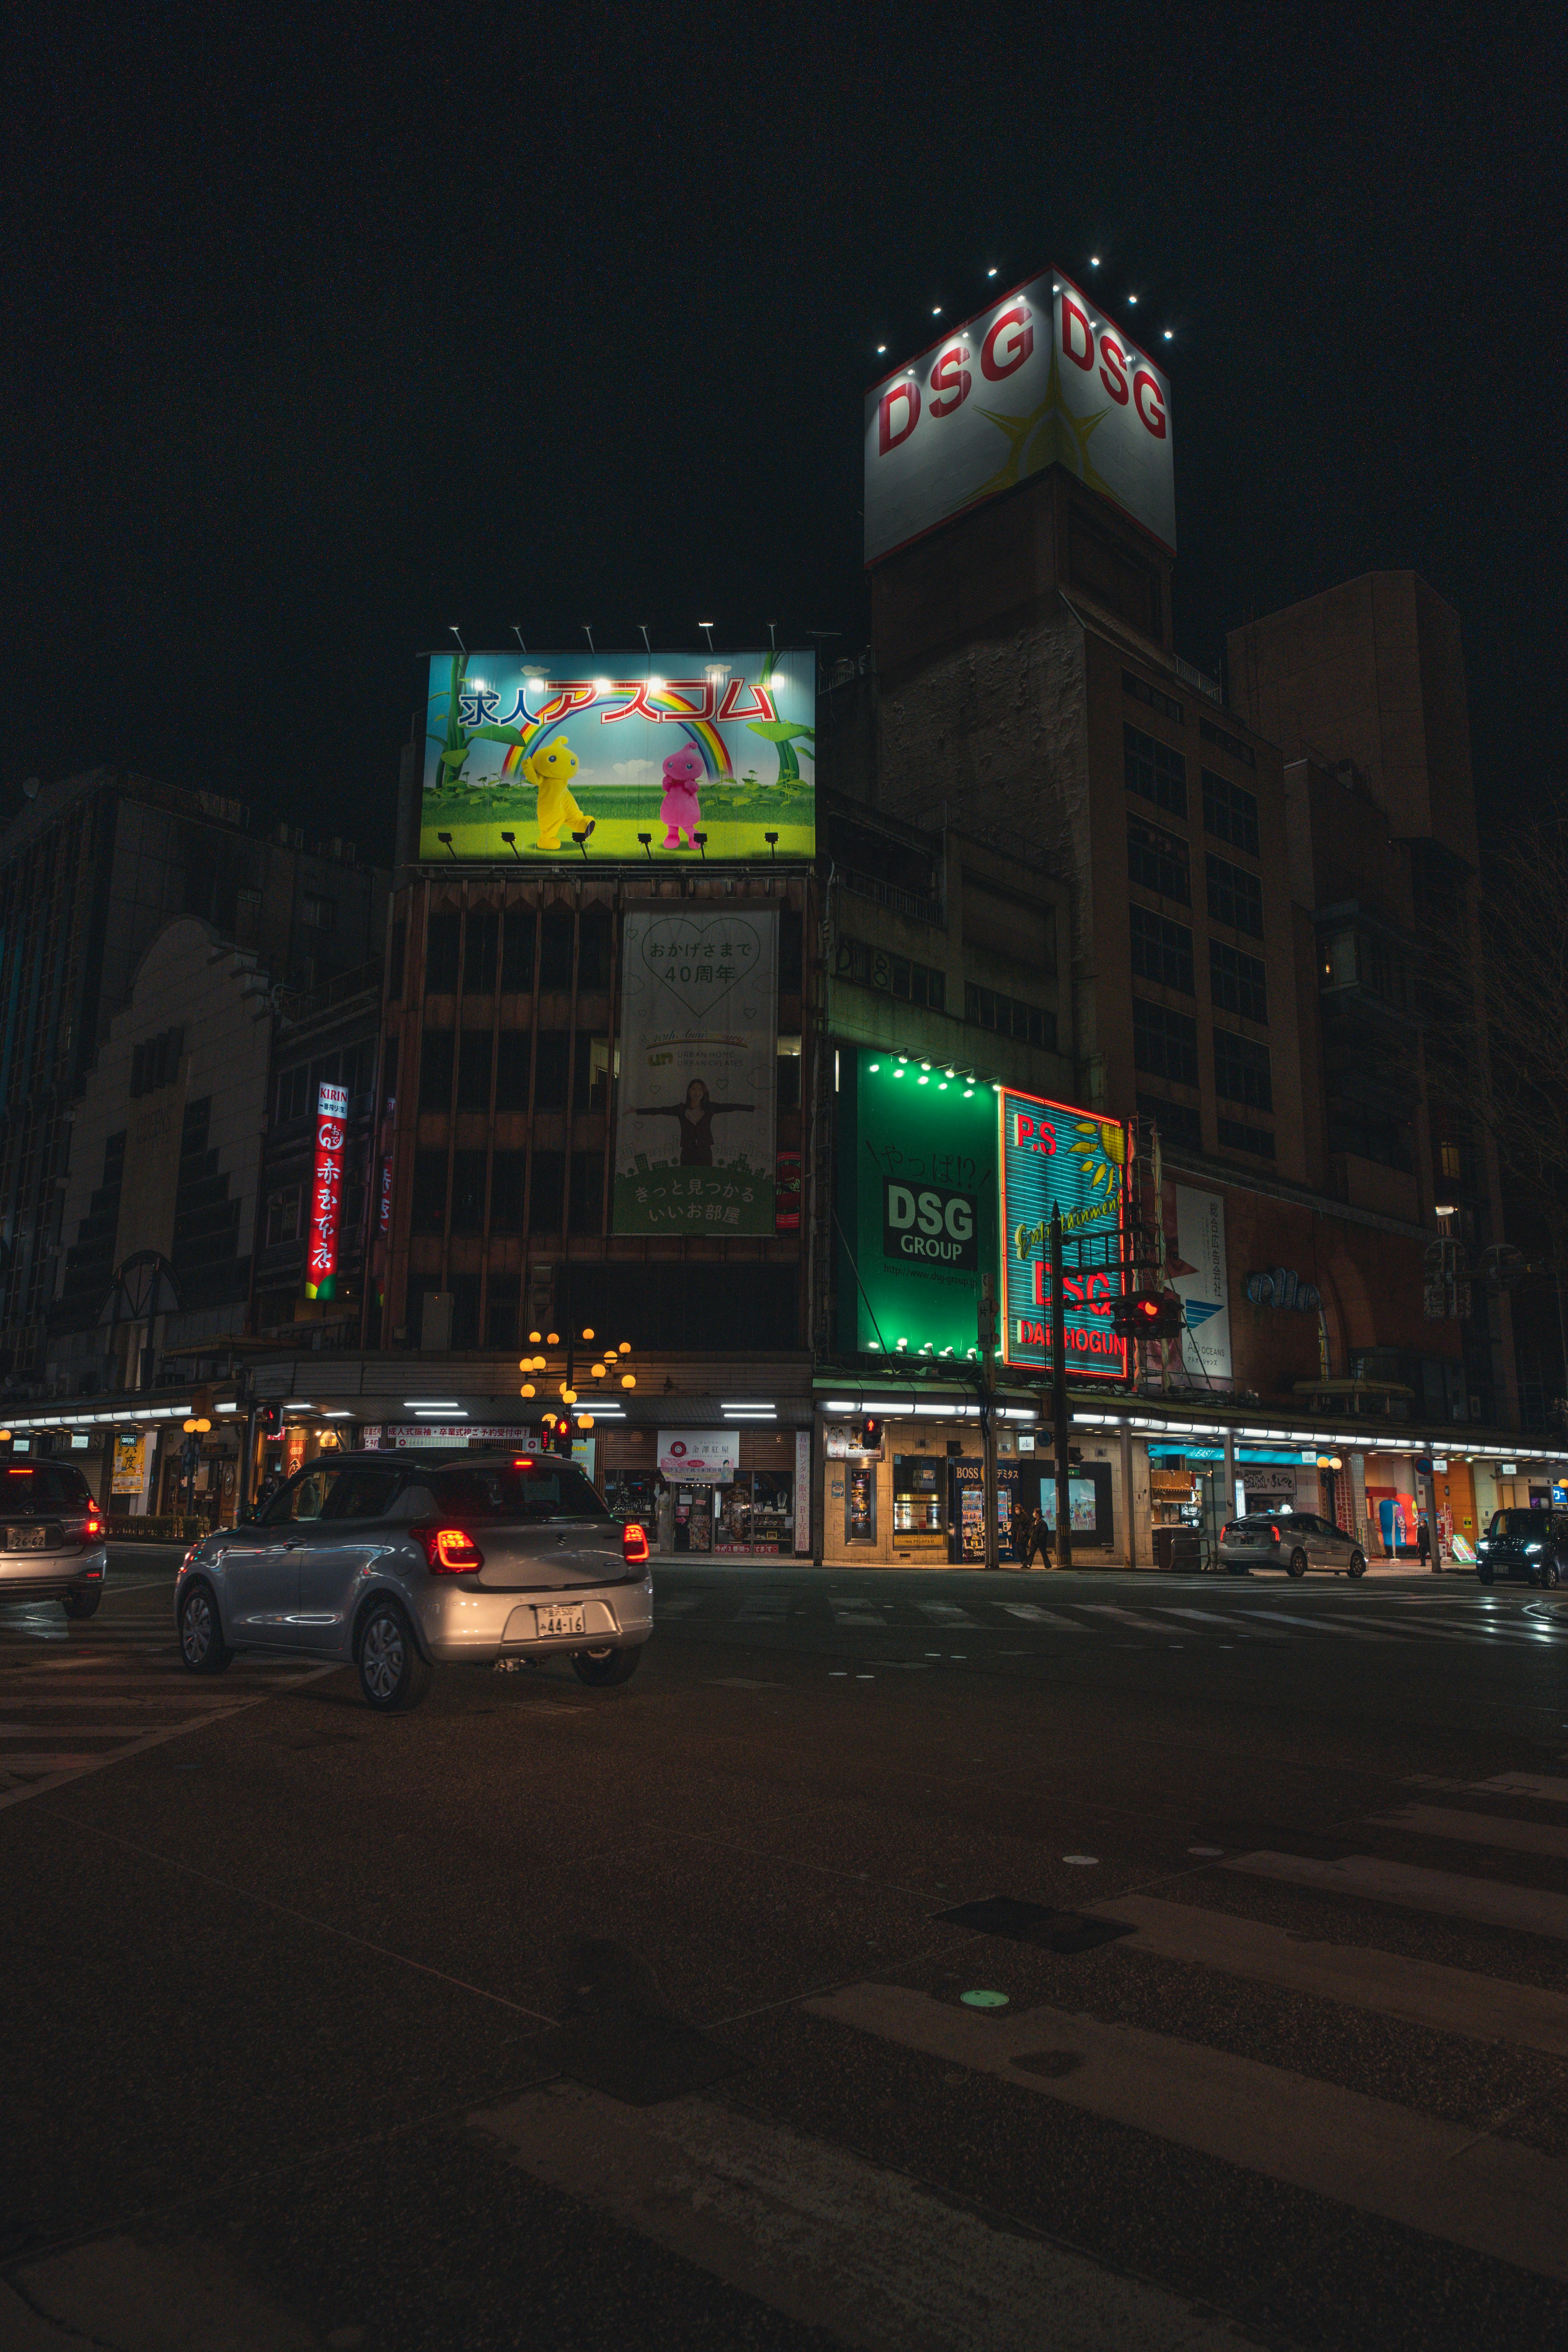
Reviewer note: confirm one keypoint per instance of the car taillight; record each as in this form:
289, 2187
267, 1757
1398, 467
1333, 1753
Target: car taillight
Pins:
634, 1544
1275, 1533
1225, 1532
93, 1528
450, 1552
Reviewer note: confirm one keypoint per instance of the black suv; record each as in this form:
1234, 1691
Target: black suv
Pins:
1533, 1545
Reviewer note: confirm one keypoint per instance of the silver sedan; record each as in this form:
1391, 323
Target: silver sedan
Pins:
401, 1563
1293, 1540
51, 1537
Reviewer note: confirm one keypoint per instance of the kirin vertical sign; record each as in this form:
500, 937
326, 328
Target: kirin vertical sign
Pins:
326, 1191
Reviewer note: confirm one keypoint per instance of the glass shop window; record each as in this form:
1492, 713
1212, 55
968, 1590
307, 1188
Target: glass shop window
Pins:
919, 1480
860, 1502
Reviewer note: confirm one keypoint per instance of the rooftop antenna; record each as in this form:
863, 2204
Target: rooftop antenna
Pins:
453, 626
707, 629
588, 633
517, 633
643, 626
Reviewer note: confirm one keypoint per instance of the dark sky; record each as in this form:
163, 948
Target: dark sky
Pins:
329, 326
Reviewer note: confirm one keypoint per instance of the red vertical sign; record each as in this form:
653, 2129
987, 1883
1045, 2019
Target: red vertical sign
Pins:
326, 1191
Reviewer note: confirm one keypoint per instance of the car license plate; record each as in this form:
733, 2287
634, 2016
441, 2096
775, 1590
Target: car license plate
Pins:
25, 1538
561, 1620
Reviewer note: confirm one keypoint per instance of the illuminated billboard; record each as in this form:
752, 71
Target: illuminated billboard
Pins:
917, 1219
669, 761
1042, 378
326, 1191
1053, 1155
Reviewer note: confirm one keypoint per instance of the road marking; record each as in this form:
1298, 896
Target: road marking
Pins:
1476, 1829
1032, 1615
1554, 1790
55, 1770
1357, 1632
677, 1605
1234, 1623
1481, 1634
1491, 1900
1125, 1616
856, 1614
1452, 2001
833, 2241
946, 1612
1441, 2178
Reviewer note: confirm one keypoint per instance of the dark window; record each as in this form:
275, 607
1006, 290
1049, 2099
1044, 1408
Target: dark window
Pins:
594, 948
1237, 982
318, 914
1153, 771
544, 1201
1236, 897
506, 1192
790, 938
1157, 860
987, 1008
1142, 692
467, 1191
787, 1087
304, 1498
441, 954
551, 1068
465, 1290
480, 951
1236, 1137
43, 1486
294, 1098
1231, 744
1177, 1122
474, 1070
1162, 950
1230, 812
429, 1192
536, 1486
517, 950
1371, 1134
591, 1084
359, 1494
1164, 1043
894, 975
555, 947
587, 1192
512, 1049
399, 954
501, 1313
283, 1216
157, 1062
1241, 1071
436, 1070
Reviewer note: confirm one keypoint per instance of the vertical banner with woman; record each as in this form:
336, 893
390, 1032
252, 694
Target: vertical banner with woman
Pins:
695, 1124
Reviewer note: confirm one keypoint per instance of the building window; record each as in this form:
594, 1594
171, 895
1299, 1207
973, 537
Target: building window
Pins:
1236, 897
1370, 1135
1241, 1071
294, 1099
474, 1070
556, 949
1153, 771
1177, 1122
481, 929
1157, 861
1162, 950
987, 1008
247, 919
283, 1216
590, 1083
156, 1061
1236, 1137
1451, 1161
500, 1315
550, 1071
467, 1191
429, 1213
436, 1070
1231, 744
1164, 1043
1141, 691
512, 1049
1230, 812
507, 1173
894, 975
587, 1192
441, 940
1237, 982
517, 950
593, 940
318, 914
544, 1203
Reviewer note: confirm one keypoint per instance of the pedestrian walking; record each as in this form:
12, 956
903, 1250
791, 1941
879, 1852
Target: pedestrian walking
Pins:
1424, 1544
1038, 1539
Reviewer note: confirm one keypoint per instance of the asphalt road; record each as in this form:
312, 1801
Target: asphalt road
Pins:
559, 2017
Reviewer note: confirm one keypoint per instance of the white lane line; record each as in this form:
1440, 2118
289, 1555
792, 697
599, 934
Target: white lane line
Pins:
1476, 1829
830, 2239
1483, 1634
1500, 2199
858, 1614
946, 1612
1552, 1788
1237, 1621
1032, 1615
1126, 1616
48, 1762
130, 1694
58, 1773
1356, 1633
1489, 1900
1452, 2001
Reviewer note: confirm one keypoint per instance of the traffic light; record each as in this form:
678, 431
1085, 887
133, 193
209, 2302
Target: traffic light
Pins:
268, 1420
1148, 1314
557, 1428
869, 1433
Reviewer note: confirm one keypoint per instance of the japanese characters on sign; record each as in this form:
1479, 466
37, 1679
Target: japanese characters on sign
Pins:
636, 757
1055, 1156
695, 1125
326, 1191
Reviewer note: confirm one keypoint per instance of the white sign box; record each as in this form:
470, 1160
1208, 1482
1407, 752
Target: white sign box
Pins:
699, 1457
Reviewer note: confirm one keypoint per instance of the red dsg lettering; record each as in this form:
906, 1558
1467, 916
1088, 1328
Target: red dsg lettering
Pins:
1009, 340
890, 434
1076, 326
1114, 369
1147, 400
950, 379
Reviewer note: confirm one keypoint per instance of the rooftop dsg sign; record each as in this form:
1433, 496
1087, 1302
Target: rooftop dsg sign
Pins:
918, 1196
1052, 1154
1041, 379
551, 758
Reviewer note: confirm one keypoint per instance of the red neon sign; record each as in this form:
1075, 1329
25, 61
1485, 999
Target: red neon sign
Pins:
326, 1191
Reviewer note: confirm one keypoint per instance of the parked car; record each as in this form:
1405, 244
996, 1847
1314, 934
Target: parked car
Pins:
405, 1562
1533, 1545
1293, 1540
51, 1537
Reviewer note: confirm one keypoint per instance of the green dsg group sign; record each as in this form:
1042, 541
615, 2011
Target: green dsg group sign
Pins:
918, 1190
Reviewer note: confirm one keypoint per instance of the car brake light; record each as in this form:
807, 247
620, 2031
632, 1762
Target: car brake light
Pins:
450, 1552
1275, 1533
1225, 1532
634, 1544
94, 1525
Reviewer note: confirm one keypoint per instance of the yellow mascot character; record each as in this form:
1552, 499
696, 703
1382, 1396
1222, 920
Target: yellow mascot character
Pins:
553, 768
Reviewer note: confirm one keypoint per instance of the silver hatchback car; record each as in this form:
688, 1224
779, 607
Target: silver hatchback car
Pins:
401, 1563
1293, 1540
51, 1537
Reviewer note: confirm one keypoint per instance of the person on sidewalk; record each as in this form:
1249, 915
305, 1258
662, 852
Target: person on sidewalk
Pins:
1038, 1539
1424, 1544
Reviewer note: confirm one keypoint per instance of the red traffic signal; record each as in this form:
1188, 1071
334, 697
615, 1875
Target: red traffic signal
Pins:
1148, 1314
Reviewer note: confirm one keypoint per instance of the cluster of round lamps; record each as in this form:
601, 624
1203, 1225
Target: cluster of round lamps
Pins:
611, 1361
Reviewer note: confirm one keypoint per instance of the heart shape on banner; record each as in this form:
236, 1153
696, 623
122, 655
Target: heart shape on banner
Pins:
700, 945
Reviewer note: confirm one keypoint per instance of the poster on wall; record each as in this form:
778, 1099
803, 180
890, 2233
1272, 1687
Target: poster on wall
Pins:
695, 1118
129, 1475
669, 759
699, 1456
918, 1194
1195, 1267
1055, 1156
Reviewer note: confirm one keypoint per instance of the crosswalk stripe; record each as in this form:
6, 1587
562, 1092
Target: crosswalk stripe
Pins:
1232, 1624
1552, 1788
1476, 1829
1033, 1615
1359, 1632
1441, 2178
1470, 1632
945, 1612
1427, 1992
1126, 1616
1491, 1902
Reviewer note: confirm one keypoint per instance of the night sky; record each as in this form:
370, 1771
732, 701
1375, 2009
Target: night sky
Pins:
329, 327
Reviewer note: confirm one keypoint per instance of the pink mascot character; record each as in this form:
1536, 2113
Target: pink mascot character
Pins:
679, 810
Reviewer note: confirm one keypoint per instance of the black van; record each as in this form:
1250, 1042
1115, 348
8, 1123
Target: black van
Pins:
1533, 1545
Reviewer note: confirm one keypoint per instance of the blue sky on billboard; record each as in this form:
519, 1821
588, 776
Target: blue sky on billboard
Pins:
620, 756
1054, 1155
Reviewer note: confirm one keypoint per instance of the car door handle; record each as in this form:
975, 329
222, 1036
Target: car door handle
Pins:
288, 1547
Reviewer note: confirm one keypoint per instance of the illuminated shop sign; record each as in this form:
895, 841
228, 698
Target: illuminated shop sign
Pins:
326, 1192
665, 761
918, 1201
1053, 1155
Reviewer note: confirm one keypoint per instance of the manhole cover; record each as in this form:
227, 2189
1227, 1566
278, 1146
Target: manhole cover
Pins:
1037, 1923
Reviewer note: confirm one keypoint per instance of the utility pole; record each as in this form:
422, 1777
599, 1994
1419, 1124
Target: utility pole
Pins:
986, 1320
1059, 1391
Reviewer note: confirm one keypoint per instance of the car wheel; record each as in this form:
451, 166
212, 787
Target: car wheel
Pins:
203, 1650
1237, 1566
1297, 1564
83, 1600
1358, 1563
1549, 1574
1484, 1570
603, 1669
391, 1672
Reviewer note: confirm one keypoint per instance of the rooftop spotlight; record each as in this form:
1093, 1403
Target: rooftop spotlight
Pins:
445, 841
510, 841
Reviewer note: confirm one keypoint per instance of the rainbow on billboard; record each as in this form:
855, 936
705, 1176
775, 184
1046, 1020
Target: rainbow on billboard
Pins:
623, 757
